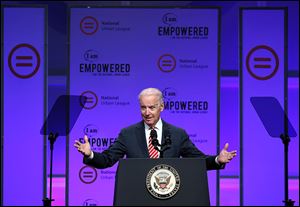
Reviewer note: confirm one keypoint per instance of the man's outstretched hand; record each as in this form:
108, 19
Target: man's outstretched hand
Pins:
225, 156
84, 148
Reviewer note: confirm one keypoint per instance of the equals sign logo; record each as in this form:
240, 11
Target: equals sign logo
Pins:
261, 65
88, 174
166, 63
88, 25
24, 63
89, 99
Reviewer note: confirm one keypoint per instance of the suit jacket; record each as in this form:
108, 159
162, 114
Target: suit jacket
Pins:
131, 143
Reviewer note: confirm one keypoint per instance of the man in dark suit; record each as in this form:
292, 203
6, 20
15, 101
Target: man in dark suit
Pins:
135, 140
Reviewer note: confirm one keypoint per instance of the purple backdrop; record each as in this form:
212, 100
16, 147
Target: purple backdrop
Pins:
262, 74
24, 93
184, 65
229, 100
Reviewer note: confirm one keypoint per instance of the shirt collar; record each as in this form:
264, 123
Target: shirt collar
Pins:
158, 125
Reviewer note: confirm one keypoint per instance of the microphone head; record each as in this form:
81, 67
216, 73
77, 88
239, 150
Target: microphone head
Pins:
168, 141
153, 134
154, 142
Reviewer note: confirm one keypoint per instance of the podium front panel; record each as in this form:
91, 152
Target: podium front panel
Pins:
131, 182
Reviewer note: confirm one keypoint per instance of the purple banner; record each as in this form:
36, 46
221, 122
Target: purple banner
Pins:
262, 75
117, 52
24, 100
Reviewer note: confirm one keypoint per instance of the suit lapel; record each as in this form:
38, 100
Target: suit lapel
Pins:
164, 130
141, 136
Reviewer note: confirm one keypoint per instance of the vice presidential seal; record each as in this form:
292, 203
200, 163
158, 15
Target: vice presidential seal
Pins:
162, 181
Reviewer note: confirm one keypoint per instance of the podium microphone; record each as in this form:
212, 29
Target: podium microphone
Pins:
154, 142
168, 141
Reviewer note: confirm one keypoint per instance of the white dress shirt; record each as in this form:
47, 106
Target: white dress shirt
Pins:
158, 128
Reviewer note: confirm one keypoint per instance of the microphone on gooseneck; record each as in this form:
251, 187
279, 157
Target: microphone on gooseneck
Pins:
168, 140
153, 135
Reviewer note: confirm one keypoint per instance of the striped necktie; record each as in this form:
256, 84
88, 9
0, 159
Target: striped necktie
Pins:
153, 153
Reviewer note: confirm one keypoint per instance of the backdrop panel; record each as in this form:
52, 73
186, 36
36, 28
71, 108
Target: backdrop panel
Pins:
262, 75
23, 102
117, 52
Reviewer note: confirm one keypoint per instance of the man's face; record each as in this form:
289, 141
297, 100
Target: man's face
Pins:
150, 108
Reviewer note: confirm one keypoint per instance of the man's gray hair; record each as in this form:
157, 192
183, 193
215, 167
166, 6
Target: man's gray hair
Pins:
152, 91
